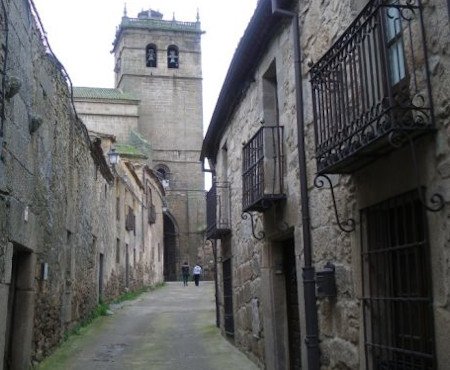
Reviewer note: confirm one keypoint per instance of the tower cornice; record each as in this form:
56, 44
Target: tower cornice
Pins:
153, 24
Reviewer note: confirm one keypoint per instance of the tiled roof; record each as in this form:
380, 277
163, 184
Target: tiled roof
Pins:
101, 93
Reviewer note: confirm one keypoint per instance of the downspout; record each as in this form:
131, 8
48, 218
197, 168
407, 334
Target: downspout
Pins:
311, 338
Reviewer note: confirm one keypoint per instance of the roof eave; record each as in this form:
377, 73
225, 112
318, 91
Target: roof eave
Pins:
243, 64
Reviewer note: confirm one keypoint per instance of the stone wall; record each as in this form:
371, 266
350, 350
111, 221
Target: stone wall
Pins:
116, 117
254, 262
58, 225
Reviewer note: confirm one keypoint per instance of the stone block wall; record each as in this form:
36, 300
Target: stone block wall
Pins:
340, 320
57, 210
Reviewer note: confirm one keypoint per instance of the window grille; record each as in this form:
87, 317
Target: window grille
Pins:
263, 170
218, 210
398, 320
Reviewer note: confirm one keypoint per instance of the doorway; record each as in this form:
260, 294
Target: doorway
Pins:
100, 277
228, 297
292, 308
170, 250
19, 317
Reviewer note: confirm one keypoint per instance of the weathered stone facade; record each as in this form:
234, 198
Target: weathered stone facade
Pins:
170, 119
59, 218
158, 109
263, 93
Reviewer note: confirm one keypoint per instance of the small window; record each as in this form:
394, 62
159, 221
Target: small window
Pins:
117, 250
151, 56
148, 195
172, 56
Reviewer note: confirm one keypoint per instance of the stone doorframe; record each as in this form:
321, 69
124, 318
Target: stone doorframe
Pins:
273, 295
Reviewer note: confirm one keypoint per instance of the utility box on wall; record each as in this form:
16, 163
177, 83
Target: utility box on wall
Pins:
326, 281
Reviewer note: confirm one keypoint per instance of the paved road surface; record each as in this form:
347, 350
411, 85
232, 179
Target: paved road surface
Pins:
172, 328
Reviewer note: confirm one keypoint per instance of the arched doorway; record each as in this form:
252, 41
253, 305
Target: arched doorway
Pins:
170, 250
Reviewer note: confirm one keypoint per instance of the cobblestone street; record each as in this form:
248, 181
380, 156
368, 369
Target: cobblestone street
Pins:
172, 328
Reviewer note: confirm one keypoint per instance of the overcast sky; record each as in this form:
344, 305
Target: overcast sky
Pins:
81, 33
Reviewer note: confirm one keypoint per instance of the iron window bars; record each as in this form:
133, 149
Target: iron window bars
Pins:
218, 210
372, 86
397, 301
262, 177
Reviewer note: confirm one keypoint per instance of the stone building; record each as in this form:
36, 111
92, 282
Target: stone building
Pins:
74, 229
329, 211
156, 106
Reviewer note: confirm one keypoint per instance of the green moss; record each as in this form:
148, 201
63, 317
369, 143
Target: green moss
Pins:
73, 339
128, 150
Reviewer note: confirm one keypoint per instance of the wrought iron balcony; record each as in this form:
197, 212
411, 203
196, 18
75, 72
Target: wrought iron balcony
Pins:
372, 87
218, 210
263, 169
151, 214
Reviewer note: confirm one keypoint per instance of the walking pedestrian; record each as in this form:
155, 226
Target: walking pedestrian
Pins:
197, 271
185, 273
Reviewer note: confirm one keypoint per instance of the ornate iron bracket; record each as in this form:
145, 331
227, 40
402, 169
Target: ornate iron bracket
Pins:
348, 225
261, 234
396, 139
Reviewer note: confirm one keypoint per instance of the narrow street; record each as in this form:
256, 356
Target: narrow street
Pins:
172, 328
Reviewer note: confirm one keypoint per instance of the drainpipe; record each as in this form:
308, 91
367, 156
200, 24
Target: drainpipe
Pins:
311, 340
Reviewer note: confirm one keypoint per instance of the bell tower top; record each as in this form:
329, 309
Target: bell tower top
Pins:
150, 14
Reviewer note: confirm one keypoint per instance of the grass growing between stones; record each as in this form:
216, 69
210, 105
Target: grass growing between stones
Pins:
71, 340
132, 295
100, 310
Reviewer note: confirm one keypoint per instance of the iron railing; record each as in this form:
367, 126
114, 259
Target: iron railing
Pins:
218, 210
398, 318
263, 169
372, 86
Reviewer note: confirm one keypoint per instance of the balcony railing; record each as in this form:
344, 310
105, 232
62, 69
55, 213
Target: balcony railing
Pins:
372, 87
218, 210
263, 169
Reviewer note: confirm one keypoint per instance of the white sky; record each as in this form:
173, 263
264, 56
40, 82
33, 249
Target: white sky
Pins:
81, 33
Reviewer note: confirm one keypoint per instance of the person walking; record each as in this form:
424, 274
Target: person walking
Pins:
185, 273
197, 271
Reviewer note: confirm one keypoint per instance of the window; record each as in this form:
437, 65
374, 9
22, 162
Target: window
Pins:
148, 196
117, 250
398, 323
270, 96
172, 56
394, 42
151, 56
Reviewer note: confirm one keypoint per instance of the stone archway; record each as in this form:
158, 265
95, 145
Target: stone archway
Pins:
171, 253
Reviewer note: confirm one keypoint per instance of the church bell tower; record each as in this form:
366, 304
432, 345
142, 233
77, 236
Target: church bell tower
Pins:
159, 62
